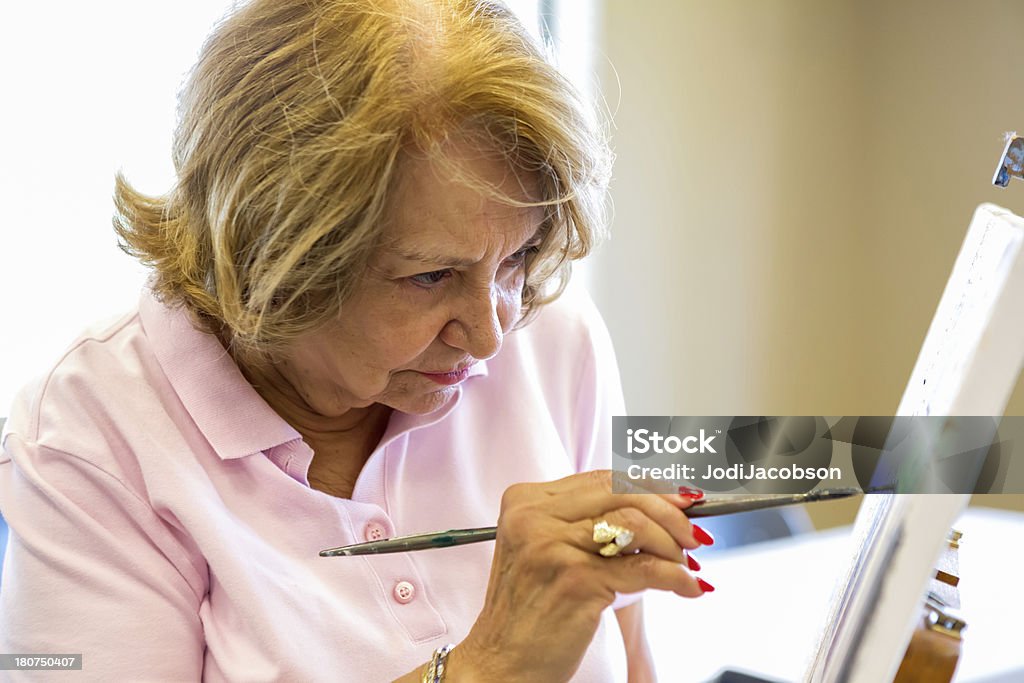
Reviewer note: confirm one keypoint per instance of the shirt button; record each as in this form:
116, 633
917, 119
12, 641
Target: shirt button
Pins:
404, 592
375, 532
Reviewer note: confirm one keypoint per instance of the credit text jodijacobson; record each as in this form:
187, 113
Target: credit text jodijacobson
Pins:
737, 472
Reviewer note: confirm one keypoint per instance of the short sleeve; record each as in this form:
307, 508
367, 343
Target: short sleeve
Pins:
91, 569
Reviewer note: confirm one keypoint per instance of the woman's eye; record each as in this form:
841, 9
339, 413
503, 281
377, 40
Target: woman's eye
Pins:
431, 278
520, 256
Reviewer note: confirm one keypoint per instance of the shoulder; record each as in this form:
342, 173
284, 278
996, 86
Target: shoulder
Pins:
564, 360
569, 331
78, 404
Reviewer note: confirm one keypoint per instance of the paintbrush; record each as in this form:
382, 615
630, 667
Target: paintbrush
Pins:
707, 507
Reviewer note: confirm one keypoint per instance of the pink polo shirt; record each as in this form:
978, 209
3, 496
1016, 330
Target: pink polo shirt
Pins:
162, 524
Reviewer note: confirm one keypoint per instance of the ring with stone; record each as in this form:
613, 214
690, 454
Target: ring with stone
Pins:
615, 538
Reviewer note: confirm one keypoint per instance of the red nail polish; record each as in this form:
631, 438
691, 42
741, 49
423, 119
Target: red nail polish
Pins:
703, 537
693, 564
691, 493
705, 586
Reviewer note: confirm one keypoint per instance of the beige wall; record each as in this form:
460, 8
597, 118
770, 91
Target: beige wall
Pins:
793, 182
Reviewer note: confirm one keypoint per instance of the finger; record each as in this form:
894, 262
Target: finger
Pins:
681, 497
618, 483
634, 573
660, 512
648, 536
590, 498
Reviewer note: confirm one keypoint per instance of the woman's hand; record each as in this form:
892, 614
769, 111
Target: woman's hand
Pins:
548, 585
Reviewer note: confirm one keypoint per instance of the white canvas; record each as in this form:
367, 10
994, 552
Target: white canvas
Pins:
968, 365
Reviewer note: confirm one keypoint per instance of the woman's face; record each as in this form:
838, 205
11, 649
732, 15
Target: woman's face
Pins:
438, 296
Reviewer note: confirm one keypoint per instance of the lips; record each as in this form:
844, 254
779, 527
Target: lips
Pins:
449, 377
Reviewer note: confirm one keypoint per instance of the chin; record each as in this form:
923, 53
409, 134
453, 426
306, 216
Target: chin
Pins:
421, 404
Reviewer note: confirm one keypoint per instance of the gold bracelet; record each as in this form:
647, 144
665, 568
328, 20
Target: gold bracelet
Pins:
434, 673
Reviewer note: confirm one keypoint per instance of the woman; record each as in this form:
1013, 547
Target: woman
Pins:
371, 197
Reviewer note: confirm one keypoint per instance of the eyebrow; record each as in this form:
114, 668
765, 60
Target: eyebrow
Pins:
448, 261
426, 257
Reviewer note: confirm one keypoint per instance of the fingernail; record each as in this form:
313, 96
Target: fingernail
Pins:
693, 564
703, 537
705, 586
691, 493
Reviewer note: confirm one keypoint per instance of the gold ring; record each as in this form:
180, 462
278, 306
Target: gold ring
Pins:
615, 538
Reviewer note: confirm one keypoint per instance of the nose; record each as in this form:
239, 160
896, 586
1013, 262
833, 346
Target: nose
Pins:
476, 327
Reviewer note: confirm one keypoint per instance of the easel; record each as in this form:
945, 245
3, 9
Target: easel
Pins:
934, 649
968, 365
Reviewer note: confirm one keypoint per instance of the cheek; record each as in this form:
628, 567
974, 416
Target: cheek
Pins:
408, 339
510, 302
420, 329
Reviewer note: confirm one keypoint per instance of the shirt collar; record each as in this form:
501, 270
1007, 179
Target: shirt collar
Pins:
232, 416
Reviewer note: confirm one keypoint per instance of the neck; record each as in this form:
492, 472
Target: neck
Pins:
341, 441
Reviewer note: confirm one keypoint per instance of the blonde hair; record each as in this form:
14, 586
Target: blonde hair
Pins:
292, 127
